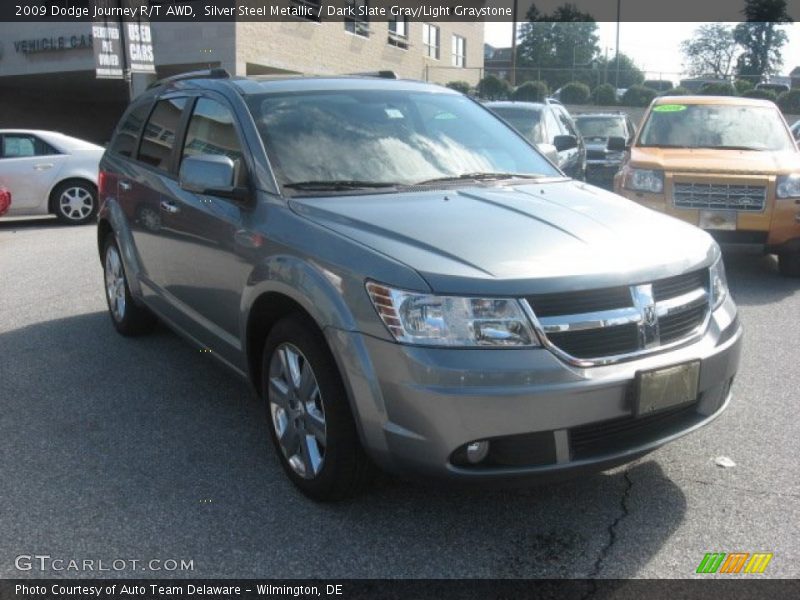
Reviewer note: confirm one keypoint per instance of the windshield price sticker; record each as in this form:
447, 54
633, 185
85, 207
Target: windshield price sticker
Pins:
669, 108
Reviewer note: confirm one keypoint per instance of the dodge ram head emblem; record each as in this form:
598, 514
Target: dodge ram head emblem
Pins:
644, 302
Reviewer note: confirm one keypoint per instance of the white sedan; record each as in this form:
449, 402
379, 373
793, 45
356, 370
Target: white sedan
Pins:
49, 173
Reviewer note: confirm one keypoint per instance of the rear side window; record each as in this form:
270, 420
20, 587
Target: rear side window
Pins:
25, 145
212, 131
158, 139
124, 143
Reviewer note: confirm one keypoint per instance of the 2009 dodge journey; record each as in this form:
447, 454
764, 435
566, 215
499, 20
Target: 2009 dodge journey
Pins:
407, 282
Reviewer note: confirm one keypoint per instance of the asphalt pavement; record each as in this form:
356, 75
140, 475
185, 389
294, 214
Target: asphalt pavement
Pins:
146, 449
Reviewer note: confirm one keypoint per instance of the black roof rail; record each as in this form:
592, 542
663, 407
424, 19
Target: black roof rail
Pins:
215, 73
379, 74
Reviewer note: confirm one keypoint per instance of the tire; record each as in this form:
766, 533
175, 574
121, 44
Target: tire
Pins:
74, 202
311, 425
789, 264
128, 317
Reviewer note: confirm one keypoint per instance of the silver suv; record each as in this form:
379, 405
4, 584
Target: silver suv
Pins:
406, 281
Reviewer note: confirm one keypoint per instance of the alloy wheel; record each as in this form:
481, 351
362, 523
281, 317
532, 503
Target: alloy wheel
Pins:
76, 203
115, 283
298, 414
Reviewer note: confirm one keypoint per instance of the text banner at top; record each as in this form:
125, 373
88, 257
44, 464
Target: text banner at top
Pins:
383, 10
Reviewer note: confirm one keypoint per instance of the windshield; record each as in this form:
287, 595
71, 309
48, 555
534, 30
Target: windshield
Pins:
386, 137
525, 120
715, 126
601, 127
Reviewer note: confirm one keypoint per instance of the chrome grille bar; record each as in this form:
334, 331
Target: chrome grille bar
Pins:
712, 196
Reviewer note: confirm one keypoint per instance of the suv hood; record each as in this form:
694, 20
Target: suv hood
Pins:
549, 236
708, 160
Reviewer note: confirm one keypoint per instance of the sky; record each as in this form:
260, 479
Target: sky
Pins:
654, 47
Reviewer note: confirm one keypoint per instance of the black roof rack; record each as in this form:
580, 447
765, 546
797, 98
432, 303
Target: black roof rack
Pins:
215, 73
380, 74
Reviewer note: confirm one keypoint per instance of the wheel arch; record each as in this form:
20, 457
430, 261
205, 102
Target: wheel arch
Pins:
51, 198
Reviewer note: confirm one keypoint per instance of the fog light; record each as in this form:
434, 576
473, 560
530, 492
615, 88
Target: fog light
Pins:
477, 451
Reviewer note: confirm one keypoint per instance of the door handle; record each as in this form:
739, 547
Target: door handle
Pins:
124, 186
43, 166
169, 207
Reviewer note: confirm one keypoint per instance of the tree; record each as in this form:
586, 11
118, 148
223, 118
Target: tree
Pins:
711, 50
460, 86
638, 95
493, 88
562, 44
629, 73
605, 95
761, 38
531, 91
575, 93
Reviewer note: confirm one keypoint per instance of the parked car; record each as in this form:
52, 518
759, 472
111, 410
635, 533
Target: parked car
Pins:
778, 88
50, 173
405, 280
728, 165
599, 130
550, 128
5, 201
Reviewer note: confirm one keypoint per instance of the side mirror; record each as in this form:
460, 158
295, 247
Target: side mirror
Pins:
565, 142
211, 174
617, 144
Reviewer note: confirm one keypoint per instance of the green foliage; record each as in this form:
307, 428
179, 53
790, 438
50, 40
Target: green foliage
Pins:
660, 85
629, 73
762, 38
531, 91
679, 91
575, 92
460, 86
763, 94
564, 45
710, 51
789, 102
721, 88
638, 95
605, 95
743, 85
492, 88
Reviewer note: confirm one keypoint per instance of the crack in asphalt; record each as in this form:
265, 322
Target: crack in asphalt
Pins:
612, 537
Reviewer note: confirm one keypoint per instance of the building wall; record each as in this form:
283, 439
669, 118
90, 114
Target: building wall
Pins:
328, 49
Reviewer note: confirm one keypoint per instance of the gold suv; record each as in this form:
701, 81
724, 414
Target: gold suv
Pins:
727, 165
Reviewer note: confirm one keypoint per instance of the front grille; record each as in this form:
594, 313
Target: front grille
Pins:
597, 439
623, 320
714, 196
572, 303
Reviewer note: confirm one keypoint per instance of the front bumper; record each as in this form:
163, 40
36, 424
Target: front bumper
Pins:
416, 406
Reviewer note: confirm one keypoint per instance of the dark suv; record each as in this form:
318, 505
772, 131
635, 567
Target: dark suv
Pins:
406, 281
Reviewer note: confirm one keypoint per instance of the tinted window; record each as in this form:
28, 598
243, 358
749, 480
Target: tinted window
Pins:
158, 138
23, 145
127, 136
554, 128
212, 131
528, 121
602, 127
386, 136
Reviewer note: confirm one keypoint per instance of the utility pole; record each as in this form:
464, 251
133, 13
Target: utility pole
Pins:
514, 46
619, 13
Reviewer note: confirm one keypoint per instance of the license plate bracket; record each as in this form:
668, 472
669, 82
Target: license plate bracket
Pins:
721, 220
660, 389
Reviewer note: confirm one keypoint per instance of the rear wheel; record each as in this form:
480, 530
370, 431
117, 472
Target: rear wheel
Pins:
75, 202
310, 422
789, 264
129, 318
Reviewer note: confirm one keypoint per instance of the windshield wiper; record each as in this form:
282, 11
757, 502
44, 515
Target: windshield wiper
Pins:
733, 148
481, 177
325, 185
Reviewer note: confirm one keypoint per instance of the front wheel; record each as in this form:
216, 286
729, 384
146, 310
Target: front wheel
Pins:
789, 264
75, 202
129, 318
310, 421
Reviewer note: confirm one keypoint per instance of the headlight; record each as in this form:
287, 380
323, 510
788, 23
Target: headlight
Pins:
788, 186
719, 283
645, 180
428, 320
